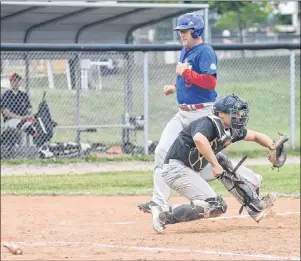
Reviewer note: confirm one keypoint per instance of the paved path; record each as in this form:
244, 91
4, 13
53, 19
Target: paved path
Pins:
83, 168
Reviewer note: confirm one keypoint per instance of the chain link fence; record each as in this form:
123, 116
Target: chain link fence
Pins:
104, 102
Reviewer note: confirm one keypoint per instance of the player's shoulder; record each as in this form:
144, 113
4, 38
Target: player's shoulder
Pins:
206, 47
204, 121
206, 50
217, 124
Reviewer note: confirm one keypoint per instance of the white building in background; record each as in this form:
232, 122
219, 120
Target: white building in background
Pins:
292, 8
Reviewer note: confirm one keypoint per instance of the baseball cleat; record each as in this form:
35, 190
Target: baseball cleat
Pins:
145, 207
267, 202
158, 225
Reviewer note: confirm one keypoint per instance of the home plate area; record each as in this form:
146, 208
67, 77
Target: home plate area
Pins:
107, 228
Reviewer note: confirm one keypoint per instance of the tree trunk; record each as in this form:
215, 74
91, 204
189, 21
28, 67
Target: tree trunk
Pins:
240, 27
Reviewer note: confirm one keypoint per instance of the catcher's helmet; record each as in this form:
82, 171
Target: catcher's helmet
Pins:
237, 108
191, 21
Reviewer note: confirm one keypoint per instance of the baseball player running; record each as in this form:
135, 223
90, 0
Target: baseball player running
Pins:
195, 158
195, 91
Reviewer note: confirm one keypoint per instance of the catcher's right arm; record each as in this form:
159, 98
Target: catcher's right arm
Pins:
277, 152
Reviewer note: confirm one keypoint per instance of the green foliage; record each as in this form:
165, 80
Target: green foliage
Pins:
287, 180
247, 12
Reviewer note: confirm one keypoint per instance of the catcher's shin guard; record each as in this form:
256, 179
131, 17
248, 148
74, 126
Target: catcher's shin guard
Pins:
247, 195
197, 209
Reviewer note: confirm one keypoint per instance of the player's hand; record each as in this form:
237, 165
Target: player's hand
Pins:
169, 89
181, 67
217, 170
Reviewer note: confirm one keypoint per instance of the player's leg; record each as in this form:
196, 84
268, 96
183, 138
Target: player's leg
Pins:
244, 186
169, 134
182, 119
161, 190
204, 202
254, 178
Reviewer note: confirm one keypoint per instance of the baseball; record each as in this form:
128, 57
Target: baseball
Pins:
14, 248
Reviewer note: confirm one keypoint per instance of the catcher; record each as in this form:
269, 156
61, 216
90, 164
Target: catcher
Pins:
195, 158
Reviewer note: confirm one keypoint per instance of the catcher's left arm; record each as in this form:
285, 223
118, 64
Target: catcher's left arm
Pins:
277, 152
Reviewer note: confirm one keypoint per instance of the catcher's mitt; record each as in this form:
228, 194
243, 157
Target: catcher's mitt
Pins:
277, 152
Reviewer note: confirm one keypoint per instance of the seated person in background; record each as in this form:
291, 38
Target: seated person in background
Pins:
15, 108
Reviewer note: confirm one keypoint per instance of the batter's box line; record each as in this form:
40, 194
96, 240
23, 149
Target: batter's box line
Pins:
156, 249
209, 219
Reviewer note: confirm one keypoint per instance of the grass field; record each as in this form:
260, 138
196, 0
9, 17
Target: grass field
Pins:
262, 81
287, 180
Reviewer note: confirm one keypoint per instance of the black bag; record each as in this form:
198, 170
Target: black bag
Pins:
44, 124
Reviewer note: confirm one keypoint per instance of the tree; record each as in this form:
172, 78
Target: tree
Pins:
240, 14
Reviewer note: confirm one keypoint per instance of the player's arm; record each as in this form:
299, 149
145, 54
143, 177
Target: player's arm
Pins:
208, 68
11, 115
259, 138
201, 136
4, 108
205, 81
204, 147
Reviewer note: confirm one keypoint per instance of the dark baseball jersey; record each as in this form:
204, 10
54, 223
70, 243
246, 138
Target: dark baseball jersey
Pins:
203, 60
184, 148
17, 103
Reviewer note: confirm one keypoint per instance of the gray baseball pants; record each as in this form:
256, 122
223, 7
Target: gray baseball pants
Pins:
194, 185
161, 191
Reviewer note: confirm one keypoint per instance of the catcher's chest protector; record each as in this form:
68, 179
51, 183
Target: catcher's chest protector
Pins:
223, 139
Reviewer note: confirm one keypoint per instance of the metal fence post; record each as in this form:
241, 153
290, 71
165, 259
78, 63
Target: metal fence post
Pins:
50, 75
78, 93
128, 97
293, 99
145, 83
27, 88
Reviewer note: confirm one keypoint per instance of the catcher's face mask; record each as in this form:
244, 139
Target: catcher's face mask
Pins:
239, 117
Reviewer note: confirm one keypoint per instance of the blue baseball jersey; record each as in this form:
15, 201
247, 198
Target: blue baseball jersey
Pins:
203, 60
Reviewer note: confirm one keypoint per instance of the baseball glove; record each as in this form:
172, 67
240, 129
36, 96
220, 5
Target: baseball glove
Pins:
277, 152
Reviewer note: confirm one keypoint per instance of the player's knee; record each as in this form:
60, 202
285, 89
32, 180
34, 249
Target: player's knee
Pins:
160, 155
258, 180
248, 174
216, 206
224, 161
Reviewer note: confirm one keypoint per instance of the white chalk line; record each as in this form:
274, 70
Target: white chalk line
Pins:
217, 218
154, 249
178, 250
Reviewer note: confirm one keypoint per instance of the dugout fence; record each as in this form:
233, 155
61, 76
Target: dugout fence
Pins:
112, 94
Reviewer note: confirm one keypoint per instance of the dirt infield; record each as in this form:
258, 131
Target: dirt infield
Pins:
107, 228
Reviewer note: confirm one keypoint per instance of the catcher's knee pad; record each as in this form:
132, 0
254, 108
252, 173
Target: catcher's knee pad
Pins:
197, 209
224, 161
253, 178
242, 190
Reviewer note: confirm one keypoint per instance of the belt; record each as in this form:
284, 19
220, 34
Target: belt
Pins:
191, 107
